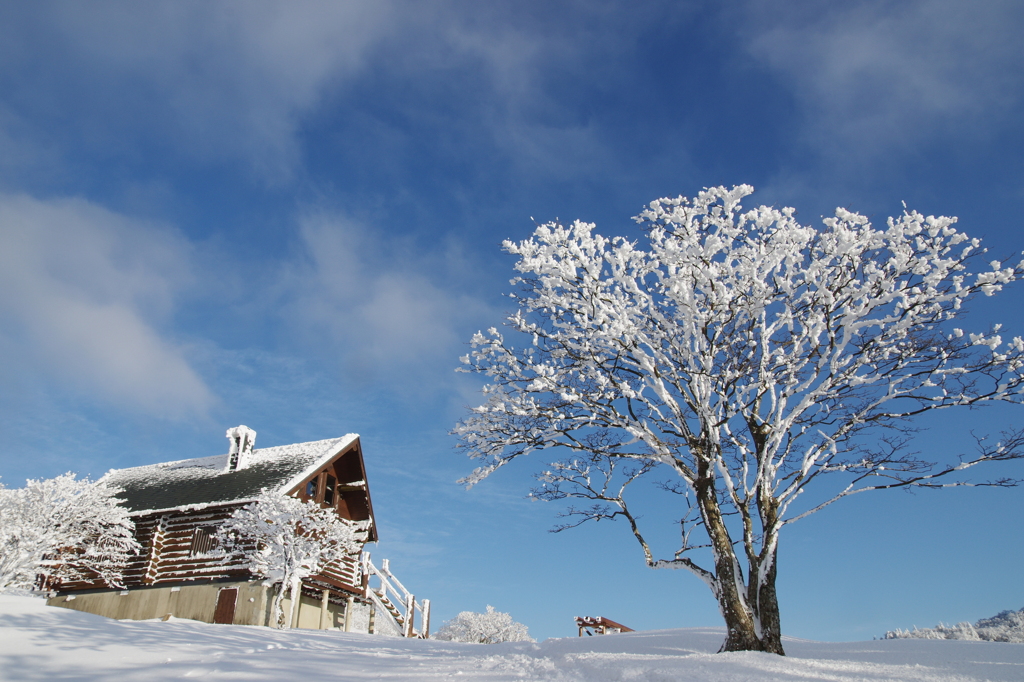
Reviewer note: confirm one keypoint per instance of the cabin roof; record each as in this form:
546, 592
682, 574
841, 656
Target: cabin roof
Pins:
192, 483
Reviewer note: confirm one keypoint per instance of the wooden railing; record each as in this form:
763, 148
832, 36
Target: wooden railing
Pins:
391, 600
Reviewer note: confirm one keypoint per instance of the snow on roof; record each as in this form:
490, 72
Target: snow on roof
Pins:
204, 481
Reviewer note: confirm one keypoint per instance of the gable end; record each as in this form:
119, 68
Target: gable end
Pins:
340, 483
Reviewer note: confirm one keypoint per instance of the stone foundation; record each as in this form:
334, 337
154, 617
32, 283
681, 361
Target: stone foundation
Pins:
253, 605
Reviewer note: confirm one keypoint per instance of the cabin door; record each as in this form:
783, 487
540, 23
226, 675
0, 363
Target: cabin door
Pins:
225, 611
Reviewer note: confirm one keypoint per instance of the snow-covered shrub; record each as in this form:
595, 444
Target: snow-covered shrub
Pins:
963, 630
65, 529
1007, 626
483, 628
284, 540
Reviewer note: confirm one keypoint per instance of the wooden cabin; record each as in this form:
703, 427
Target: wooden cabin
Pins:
177, 506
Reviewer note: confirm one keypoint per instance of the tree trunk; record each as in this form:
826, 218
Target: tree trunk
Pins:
743, 615
752, 624
768, 611
278, 614
295, 593
762, 591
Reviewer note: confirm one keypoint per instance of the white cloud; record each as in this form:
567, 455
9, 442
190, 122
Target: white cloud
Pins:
81, 293
877, 76
223, 80
542, 130
388, 309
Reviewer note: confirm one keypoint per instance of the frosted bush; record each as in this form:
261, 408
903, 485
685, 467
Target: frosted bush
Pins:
483, 628
64, 529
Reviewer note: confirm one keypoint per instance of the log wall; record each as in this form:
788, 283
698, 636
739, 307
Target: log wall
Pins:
172, 554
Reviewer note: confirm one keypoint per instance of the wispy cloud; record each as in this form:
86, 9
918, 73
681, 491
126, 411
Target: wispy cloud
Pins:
210, 85
82, 294
877, 77
221, 81
389, 309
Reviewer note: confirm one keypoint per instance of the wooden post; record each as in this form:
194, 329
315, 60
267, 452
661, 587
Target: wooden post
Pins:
156, 548
426, 619
323, 609
373, 615
410, 615
172, 601
349, 605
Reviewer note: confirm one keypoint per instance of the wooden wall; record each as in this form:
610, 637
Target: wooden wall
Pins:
169, 556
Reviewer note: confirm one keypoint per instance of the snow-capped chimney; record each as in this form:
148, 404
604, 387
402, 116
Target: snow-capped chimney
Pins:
242, 441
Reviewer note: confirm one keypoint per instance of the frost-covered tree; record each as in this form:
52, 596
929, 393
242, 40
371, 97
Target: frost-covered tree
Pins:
284, 540
483, 628
63, 529
750, 359
1005, 626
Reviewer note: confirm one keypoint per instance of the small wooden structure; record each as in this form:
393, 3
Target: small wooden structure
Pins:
599, 625
177, 508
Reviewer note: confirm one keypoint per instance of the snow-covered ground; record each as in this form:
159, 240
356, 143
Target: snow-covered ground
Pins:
40, 643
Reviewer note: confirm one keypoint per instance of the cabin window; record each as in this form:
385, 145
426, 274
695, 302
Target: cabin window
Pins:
311, 488
329, 491
203, 541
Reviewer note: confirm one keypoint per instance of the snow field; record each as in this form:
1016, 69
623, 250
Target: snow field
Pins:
46, 643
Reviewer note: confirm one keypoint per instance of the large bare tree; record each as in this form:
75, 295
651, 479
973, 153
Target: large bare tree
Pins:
748, 355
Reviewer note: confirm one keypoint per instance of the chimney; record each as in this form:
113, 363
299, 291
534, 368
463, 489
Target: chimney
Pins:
242, 441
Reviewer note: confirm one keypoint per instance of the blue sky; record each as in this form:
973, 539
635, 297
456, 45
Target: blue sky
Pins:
289, 215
